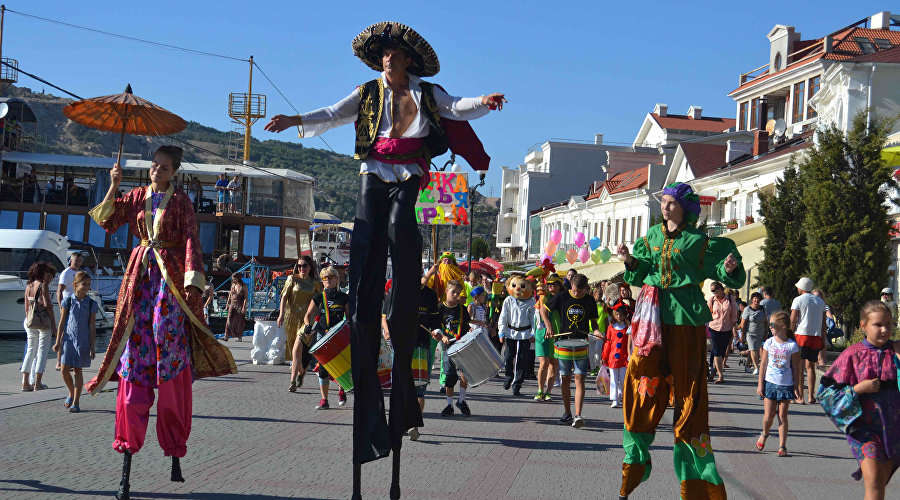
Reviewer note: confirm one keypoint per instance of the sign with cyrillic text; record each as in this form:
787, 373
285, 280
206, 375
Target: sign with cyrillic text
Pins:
445, 201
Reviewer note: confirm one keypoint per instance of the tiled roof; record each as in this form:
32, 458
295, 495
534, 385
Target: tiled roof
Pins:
844, 47
684, 122
621, 182
704, 159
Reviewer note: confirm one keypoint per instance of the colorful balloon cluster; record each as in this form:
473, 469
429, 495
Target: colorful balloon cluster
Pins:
580, 253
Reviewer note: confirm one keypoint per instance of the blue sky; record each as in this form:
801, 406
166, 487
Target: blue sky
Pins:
569, 69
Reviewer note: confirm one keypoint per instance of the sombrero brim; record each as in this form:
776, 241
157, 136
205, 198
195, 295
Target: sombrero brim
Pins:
367, 46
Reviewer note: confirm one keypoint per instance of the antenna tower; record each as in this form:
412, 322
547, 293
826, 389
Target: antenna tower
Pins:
245, 110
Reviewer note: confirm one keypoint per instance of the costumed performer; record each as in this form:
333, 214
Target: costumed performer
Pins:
445, 271
516, 330
672, 261
616, 350
401, 123
544, 345
160, 339
299, 289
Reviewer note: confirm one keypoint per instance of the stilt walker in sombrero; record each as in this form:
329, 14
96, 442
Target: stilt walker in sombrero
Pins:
401, 123
160, 339
670, 263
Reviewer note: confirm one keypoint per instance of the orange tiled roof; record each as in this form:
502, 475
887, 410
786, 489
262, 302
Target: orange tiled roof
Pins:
843, 47
684, 122
704, 158
621, 182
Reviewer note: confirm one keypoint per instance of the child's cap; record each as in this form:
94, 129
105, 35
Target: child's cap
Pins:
478, 290
554, 278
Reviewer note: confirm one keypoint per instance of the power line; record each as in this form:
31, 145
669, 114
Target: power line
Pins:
40, 79
126, 37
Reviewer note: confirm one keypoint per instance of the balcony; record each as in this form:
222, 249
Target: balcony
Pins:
534, 156
509, 213
513, 184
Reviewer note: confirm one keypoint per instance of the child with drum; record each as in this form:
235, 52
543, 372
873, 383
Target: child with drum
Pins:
326, 310
578, 317
454, 324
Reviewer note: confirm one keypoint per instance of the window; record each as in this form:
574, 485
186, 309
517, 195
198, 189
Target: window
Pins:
797, 102
883, 43
777, 64
31, 220
75, 228
754, 106
18, 260
250, 246
813, 90
742, 116
54, 223
272, 244
9, 219
207, 234
290, 243
96, 234
865, 45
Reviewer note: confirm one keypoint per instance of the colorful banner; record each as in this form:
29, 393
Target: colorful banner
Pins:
445, 201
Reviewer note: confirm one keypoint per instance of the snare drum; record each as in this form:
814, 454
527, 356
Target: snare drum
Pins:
571, 349
385, 363
421, 372
475, 357
333, 353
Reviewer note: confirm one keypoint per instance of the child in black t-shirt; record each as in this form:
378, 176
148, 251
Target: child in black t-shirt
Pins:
577, 311
326, 310
454, 324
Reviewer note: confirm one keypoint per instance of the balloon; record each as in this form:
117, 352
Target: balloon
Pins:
605, 254
556, 236
584, 255
571, 255
550, 248
544, 257
579, 239
560, 256
594, 243
595, 255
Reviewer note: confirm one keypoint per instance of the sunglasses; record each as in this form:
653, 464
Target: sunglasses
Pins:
303, 266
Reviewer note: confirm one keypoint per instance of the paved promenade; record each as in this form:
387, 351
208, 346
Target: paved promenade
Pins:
253, 439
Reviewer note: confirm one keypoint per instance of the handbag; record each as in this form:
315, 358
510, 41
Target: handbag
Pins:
37, 318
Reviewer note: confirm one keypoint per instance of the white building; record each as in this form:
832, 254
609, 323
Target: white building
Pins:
662, 129
553, 171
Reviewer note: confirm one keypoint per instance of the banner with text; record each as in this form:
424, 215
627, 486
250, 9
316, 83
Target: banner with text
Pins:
445, 201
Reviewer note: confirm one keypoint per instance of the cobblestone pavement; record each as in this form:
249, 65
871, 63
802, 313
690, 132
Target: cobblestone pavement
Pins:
253, 439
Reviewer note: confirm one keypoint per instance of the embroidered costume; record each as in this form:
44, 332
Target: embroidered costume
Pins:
870, 421
675, 263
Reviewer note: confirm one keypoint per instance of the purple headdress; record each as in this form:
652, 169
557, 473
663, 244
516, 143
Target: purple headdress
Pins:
686, 197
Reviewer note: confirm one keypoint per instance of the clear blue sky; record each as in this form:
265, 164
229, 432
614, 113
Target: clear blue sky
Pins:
569, 69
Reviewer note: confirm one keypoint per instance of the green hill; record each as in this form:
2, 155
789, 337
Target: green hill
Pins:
336, 175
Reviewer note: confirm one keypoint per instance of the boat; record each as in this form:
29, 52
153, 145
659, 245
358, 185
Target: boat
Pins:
331, 239
19, 249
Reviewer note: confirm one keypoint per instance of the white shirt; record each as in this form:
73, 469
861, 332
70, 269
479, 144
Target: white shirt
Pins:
516, 313
812, 310
67, 278
778, 369
346, 111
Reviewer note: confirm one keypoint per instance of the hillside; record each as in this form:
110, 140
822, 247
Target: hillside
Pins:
335, 174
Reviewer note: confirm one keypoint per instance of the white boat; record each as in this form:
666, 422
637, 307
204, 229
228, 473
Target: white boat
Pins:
19, 249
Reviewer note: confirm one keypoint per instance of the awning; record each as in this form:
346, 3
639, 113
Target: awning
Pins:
594, 272
891, 156
749, 240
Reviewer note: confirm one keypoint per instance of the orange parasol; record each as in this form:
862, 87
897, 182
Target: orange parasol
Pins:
124, 113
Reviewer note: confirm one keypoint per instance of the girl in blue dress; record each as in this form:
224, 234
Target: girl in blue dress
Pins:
75, 337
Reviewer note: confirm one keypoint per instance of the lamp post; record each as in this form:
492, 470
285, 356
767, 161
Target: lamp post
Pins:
472, 215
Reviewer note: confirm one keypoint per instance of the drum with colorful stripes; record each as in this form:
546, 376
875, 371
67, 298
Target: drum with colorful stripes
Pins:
421, 372
571, 349
333, 352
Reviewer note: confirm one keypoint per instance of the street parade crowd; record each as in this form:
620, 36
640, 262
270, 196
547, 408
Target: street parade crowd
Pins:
647, 353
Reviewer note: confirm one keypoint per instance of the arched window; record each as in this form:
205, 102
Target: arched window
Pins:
777, 65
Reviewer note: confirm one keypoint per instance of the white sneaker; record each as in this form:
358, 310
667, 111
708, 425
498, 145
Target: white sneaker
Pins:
578, 422
756, 371
615, 404
413, 434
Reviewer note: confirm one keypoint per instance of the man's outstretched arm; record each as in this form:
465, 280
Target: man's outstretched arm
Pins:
321, 120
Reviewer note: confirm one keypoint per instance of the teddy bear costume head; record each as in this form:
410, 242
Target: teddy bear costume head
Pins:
520, 288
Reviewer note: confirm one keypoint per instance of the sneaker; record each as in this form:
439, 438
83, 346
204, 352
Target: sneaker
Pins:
447, 411
517, 392
556, 384
507, 385
413, 434
342, 398
578, 422
547, 397
566, 418
464, 408
293, 387
323, 404
539, 396
615, 404
756, 371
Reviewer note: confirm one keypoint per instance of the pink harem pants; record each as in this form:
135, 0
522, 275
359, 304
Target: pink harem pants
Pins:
173, 415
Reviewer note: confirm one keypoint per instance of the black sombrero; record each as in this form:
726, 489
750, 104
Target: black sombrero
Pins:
367, 46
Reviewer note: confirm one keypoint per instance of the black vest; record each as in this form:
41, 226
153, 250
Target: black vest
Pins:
371, 107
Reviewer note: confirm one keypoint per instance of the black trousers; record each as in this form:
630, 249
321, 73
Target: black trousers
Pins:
385, 218
516, 361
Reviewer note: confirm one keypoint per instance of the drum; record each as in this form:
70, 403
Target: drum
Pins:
571, 349
333, 352
475, 357
385, 363
421, 372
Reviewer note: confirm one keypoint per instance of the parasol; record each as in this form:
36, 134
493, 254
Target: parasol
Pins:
493, 263
124, 113
478, 266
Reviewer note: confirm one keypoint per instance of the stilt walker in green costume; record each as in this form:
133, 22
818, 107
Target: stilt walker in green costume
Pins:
671, 262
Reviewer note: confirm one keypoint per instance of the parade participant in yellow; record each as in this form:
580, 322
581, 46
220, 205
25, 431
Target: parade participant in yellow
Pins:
445, 271
298, 292
672, 261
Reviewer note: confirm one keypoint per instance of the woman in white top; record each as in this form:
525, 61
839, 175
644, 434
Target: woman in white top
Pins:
37, 296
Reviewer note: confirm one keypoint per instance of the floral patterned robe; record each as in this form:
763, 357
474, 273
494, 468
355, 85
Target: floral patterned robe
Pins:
178, 258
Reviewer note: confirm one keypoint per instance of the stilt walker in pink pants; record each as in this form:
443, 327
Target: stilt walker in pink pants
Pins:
160, 341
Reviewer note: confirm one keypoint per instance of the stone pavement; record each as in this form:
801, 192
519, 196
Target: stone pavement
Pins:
253, 439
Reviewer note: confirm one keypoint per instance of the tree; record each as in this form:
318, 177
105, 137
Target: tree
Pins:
784, 251
480, 248
846, 220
